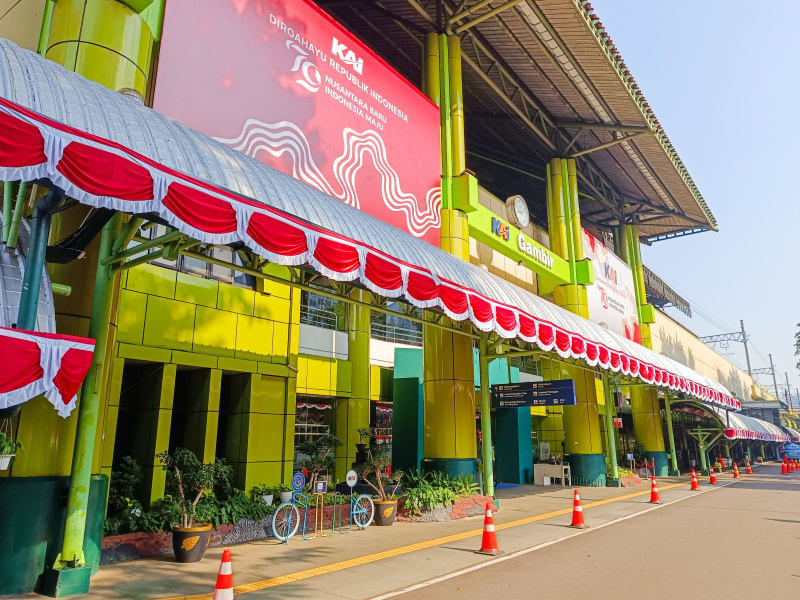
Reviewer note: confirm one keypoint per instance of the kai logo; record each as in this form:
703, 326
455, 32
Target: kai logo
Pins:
611, 274
500, 229
347, 56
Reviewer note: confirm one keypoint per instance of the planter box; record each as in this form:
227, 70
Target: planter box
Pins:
133, 546
463, 507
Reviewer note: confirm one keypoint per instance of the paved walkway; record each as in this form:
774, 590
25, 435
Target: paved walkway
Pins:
738, 543
376, 561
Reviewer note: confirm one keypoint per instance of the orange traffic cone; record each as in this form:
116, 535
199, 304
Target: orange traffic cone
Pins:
224, 588
695, 484
749, 468
736, 471
577, 512
489, 542
783, 468
712, 479
655, 498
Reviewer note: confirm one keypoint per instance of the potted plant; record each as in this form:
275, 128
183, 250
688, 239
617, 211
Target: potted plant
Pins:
286, 492
267, 493
373, 472
319, 455
361, 446
8, 450
188, 480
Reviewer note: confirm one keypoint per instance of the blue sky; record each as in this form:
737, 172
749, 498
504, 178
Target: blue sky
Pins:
721, 77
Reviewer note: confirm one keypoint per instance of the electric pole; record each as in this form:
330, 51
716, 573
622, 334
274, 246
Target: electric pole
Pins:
788, 391
774, 380
746, 352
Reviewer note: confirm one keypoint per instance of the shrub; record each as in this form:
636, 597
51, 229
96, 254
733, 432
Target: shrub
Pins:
319, 455
188, 480
373, 472
425, 492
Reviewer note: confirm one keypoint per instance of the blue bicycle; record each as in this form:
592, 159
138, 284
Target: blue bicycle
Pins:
286, 520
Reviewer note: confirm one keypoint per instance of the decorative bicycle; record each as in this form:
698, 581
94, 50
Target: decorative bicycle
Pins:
286, 520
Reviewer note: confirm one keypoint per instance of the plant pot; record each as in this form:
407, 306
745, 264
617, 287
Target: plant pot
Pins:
267, 498
286, 497
189, 543
385, 512
5, 461
361, 454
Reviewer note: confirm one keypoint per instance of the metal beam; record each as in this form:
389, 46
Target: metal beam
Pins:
463, 12
624, 138
487, 15
602, 127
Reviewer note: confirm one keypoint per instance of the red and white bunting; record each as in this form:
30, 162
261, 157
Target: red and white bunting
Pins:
42, 363
102, 173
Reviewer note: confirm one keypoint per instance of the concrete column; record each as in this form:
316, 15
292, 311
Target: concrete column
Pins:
647, 426
353, 413
449, 402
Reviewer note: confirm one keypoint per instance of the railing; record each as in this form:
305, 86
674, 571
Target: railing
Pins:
396, 335
318, 317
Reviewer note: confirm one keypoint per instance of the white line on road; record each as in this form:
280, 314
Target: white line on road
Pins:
500, 559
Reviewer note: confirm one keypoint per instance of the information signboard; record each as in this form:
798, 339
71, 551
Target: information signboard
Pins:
534, 393
792, 451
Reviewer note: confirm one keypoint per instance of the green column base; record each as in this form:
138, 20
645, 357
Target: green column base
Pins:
614, 483
451, 466
58, 583
674, 473
662, 466
588, 469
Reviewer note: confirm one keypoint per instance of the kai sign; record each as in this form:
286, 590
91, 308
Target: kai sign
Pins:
612, 298
282, 82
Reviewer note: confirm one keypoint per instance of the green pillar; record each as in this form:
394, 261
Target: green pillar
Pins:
16, 216
486, 418
701, 446
34, 261
673, 454
512, 442
8, 192
71, 555
610, 441
408, 431
353, 413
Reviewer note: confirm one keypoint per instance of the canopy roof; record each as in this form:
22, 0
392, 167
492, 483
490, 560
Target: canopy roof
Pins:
107, 150
793, 434
542, 78
742, 427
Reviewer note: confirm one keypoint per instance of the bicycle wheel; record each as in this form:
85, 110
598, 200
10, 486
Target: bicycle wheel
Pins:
363, 511
285, 521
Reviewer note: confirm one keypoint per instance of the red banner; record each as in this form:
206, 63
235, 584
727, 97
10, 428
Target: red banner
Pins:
282, 82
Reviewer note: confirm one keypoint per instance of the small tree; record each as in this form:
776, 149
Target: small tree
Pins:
190, 479
363, 434
319, 455
373, 472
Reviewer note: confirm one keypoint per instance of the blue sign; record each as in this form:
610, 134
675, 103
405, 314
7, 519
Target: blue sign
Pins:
534, 393
792, 450
298, 481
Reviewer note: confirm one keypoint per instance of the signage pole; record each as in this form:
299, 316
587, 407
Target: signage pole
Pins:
612, 445
486, 417
788, 390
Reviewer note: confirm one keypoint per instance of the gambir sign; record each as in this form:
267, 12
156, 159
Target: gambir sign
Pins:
282, 82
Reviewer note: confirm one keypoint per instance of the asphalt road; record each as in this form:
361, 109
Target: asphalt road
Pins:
739, 541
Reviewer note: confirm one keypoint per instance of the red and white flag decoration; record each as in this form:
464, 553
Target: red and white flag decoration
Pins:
42, 363
102, 173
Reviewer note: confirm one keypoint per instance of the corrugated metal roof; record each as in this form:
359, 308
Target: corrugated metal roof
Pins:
557, 54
